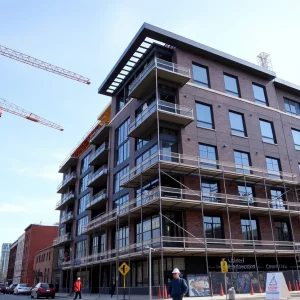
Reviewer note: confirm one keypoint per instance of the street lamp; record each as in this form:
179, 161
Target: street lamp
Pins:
150, 271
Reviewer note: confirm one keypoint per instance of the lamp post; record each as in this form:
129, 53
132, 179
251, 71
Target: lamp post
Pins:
150, 271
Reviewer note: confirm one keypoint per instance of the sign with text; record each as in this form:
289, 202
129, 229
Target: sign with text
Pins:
276, 287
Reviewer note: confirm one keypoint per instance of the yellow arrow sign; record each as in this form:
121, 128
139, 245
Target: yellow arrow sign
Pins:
124, 269
224, 266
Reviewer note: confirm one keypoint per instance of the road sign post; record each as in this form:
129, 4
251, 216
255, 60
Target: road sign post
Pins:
124, 269
224, 270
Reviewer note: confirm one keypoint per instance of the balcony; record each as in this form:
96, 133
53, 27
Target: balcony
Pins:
96, 200
165, 70
63, 239
67, 164
66, 199
98, 178
68, 180
187, 164
67, 218
100, 136
100, 156
167, 111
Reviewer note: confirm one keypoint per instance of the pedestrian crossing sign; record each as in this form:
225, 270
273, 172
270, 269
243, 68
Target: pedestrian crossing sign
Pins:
124, 269
224, 266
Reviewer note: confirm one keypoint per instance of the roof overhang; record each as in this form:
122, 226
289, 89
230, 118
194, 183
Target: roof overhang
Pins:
122, 68
287, 86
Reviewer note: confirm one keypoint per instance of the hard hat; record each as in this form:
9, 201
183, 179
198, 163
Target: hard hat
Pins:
176, 271
78, 278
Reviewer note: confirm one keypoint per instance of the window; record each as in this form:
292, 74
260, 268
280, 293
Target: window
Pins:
283, 232
200, 75
208, 155
80, 249
117, 178
231, 85
260, 95
237, 124
121, 238
291, 106
122, 143
267, 131
209, 190
139, 143
148, 153
249, 229
103, 242
246, 194
204, 116
213, 227
242, 161
142, 194
277, 199
120, 202
83, 183
273, 166
85, 163
99, 248
150, 229
296, 137
82, 203
81, 224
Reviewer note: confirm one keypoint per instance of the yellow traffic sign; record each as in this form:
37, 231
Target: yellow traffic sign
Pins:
224, 266
124, 269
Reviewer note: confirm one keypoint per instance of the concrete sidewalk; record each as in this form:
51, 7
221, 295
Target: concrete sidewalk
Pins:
294, 295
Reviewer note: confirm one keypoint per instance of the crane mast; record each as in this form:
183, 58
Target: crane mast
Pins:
18, 111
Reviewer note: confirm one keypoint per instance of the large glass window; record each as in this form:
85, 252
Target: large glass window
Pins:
231, 85
143, 157
296, 137
246, 194
121, 238
267, 131
200, 75
81, 224
122, 143
283, 232
80, 249
117, 178
142, 194
120, 101
209, 191
82, 203
242, 160
260, 95
208, 154
273, 165
213, 227
291, 106
99, 243
85, 163
83, 183
150, 229
277, 199
204, 115
120, 202
237, 124
249, 229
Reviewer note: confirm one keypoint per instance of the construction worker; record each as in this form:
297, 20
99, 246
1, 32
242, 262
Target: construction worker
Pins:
178, 287
77, 288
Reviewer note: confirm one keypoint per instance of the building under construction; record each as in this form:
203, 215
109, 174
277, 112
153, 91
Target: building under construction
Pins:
196, 160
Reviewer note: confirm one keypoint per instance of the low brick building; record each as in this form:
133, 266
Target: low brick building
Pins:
43, 265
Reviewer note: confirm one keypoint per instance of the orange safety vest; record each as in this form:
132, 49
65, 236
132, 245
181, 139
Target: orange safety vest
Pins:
77, 286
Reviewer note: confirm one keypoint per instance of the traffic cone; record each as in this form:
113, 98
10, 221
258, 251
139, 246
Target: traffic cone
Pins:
251, 290
297, 286
221, 290
290, 287
165, 292
259, 288
159, 293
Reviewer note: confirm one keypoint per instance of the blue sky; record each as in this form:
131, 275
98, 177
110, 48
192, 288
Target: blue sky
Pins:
88, 37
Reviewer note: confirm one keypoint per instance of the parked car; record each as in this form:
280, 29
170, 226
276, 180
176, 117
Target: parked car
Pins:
43, 290
2, 288
22, 288
11, 288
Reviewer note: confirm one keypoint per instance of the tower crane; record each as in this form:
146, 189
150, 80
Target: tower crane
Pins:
24, 58
16, 110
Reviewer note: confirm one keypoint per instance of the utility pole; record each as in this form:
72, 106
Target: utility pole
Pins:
150, 271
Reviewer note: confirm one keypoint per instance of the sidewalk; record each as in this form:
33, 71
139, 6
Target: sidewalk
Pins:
145, 297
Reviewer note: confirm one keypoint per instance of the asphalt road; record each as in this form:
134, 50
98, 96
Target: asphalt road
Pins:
19, 297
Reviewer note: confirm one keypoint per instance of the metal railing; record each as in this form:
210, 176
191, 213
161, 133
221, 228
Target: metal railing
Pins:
67, 179
163, 106
61, 239
97, 174
103, 147
65, 198
96, 198
160, 64
67, 217
214, 166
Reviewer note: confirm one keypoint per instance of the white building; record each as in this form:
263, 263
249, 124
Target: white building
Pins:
19, 258
4, 261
